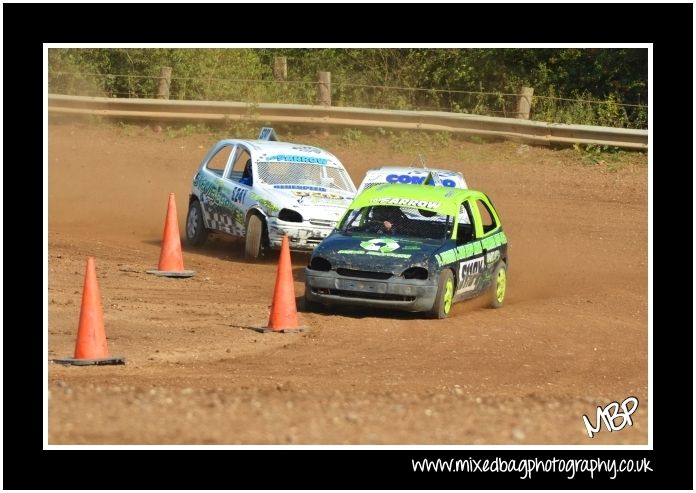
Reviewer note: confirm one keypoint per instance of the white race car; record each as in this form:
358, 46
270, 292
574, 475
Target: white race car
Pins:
412, 175
263, 189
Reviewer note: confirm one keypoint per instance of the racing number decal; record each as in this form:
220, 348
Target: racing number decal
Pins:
238, 195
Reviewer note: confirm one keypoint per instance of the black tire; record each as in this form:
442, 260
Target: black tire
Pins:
254, 233
443, 300
196, 232
498, 288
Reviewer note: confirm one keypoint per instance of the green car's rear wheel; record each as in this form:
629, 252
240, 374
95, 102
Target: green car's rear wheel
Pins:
499, 285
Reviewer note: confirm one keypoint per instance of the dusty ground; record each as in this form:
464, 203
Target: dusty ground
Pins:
572, 336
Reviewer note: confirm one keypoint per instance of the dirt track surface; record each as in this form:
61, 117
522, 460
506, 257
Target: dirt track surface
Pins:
572, 336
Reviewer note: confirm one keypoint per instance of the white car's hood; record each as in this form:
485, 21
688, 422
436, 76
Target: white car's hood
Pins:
311, 202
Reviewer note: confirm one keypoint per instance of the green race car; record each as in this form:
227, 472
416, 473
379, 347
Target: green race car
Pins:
416, 248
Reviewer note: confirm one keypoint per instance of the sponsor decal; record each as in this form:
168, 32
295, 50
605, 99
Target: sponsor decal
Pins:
493, 257
307, 149
267, 204
470, 249
491, 242
237, 215
477, 248
318, 195
421, 204
415, 180
446, 257
469, 272
376, 254
290, 158
300, 187
459, 253
216, 213
213, 192
384, 245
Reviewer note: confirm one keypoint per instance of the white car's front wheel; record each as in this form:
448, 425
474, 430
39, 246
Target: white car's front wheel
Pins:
254, 232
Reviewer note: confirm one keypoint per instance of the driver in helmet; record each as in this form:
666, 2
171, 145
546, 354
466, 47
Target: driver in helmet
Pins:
389, 219
247, 176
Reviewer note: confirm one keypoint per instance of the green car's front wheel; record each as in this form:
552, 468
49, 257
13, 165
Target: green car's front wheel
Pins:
445, 294
499, 285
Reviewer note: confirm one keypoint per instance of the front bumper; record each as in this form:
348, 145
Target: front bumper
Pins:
397, 293
303, 236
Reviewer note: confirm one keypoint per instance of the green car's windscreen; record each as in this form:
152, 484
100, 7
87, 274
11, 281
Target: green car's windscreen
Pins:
407, 222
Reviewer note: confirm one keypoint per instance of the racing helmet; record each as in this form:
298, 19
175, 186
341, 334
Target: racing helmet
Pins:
386, 213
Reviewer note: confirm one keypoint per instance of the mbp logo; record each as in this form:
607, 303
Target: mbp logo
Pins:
610, 414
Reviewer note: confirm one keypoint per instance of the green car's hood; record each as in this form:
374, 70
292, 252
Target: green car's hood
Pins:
377, 253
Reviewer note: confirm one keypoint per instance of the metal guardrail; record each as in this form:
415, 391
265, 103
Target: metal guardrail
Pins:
212, 111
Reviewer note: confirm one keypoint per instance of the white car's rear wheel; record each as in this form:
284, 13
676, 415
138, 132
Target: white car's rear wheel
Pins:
196, 232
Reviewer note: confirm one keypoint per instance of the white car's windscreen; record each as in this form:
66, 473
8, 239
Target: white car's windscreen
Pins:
285, 173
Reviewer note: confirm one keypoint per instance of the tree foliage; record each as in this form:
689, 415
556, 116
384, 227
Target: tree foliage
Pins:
207, 73
400, 78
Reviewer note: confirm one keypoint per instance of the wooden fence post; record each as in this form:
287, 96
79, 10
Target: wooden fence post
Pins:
280, 68
324, 89
524, 102
324, 96
164, 83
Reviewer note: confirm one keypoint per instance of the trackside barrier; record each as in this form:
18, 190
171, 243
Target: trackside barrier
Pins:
213, 111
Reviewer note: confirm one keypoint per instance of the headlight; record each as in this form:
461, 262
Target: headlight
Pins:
415, 273
290, 216
319, 263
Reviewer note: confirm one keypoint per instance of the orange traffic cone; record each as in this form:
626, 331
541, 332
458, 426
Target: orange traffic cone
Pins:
171, 262
90, 347
283, 310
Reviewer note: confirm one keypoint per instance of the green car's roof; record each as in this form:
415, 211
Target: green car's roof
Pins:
444, 200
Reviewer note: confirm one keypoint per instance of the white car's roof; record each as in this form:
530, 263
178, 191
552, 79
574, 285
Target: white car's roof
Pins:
411, 175
262, 150
412, 170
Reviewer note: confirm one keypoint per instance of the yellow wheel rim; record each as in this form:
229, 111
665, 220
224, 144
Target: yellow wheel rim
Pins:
500, 284
449, 293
